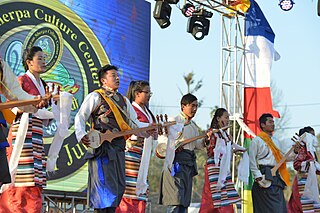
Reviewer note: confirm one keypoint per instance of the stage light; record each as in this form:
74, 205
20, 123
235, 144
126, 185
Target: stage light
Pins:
162, 12
198, 24
286, 5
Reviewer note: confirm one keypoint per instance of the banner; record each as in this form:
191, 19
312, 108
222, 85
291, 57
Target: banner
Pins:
78, 37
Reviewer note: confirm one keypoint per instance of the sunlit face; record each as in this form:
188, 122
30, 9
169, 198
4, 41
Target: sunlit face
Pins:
111, 79
143, 96
223, 120
190, 109
268, 127
38, 63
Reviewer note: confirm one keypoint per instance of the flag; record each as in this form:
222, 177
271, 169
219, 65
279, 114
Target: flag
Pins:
242, 5
259, 54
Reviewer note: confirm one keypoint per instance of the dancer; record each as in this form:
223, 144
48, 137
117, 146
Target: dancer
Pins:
264, 152
108, 110
138, 152
11, 89
305, 197
27, 150
219, 193
180, 167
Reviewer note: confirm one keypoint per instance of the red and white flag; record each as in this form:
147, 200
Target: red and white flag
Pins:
259, 55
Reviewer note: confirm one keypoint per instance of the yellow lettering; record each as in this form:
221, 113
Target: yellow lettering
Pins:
19, 15
94, 75
69, 163
56, 168
26, 14
69, 31
74, 36
75, 104
81, 44
11, 15
38, 12
5, 17
78, 156
87, 55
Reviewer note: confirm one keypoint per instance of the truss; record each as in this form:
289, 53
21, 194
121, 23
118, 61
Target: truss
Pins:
231, 66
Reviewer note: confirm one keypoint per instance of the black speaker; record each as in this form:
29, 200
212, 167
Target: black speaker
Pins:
318, 7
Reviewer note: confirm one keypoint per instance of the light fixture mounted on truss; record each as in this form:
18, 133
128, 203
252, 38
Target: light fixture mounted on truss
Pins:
162, 12
198, 24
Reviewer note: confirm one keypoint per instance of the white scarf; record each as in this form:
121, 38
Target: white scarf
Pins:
310, 191
225, 150
142, 184
62, 116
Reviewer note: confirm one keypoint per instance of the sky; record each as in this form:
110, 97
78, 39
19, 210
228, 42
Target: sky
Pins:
174, 53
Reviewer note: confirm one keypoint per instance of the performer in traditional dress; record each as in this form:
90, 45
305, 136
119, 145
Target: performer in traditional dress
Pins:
305, 193
11, 89
264, 153
27, 150
180, 167
108, 110
138, 152
219, 193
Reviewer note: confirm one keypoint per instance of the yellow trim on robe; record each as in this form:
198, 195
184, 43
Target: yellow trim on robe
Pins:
276, 153
121, 123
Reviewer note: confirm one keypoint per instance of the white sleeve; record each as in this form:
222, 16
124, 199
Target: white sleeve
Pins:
44, 114
14, 90
89, 104
253, 152
285, 146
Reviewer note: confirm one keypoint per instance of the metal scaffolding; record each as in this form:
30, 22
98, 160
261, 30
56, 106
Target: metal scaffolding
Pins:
232, 60
231, 67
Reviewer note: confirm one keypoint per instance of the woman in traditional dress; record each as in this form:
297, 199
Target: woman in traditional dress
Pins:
138, 153
26, 153
305, 198
219, 193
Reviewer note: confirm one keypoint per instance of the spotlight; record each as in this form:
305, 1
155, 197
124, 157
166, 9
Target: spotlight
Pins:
162, 13
198, 24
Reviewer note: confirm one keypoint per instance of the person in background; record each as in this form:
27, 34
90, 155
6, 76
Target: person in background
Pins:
138, 152
301, 199
107, 110
27, 150
219, 193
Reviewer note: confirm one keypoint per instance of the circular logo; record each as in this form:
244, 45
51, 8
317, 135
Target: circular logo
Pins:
49, 38
73, 55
